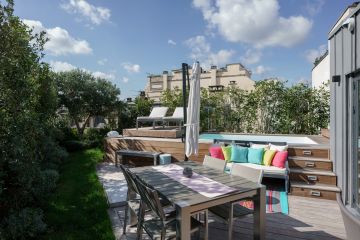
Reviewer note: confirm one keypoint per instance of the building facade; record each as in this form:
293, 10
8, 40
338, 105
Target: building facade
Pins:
320, 73
232, 74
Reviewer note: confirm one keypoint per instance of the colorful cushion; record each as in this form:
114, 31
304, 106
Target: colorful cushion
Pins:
255, 145
255, 155
268, 157
216, 152
280, 159
239, 154
278, 148
227, 152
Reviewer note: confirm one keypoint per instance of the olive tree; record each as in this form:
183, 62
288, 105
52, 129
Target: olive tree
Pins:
85, 96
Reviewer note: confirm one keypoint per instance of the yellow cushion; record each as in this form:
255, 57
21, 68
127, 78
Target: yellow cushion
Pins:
227, 152
268, 157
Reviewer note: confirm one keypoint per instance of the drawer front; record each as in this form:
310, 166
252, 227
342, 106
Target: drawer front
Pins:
311, 178
304, 152
313, 193
310, 164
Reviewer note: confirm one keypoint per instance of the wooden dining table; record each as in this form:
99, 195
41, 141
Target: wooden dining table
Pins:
188, 201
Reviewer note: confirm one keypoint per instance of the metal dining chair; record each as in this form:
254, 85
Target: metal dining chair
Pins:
133, 197
162, 225
230, 211
214, 163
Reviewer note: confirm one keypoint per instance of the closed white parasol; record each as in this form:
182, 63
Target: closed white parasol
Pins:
193, 113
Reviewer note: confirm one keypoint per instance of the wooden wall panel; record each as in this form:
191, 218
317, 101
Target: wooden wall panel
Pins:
176, 149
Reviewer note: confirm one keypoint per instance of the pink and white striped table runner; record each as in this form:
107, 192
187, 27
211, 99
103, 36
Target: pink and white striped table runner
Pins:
203, 185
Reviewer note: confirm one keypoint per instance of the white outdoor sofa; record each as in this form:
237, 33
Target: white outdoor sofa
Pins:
268, 171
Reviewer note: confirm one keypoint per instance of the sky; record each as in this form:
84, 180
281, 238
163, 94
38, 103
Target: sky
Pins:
125, 41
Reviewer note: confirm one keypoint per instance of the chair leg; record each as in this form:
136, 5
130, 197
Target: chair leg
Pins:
206, 224
125, 218
163, 233
140, 222
137, 125
230, 222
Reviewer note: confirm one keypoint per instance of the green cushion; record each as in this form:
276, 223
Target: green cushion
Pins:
239, 154
255, 155
227, 152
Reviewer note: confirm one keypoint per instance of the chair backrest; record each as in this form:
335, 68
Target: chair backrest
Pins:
254, 175
151, 198
179, 112
129, 177
215, 163
158, 112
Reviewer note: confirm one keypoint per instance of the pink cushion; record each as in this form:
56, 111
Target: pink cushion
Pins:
216, 152
280, 159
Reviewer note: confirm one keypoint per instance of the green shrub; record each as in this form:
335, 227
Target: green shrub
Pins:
27, 222
29, 153
94, 137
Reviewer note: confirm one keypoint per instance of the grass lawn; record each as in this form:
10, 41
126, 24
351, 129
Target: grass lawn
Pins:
78, 208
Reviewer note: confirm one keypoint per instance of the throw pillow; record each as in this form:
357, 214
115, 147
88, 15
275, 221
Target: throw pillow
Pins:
255, 155
268, 157
227, 152
278, 147
239, 154
255, 145
216, 152
280, 159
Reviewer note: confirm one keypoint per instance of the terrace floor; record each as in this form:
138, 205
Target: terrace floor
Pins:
308, 218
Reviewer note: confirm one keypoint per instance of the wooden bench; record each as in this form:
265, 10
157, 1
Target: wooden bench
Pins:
133, 153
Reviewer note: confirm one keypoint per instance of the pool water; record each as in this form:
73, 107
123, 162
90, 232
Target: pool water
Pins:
263, 138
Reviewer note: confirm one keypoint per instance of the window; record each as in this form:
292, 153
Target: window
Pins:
357, 147
355, 185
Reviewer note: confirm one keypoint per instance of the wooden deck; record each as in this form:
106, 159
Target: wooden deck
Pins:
315, 219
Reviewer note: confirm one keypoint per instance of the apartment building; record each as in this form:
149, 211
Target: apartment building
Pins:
214, 78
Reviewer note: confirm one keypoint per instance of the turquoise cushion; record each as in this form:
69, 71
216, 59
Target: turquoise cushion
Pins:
255, 155
239, 154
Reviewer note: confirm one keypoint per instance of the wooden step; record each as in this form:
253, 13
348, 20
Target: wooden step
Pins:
314, 152
310, 175
309, 162
317, 190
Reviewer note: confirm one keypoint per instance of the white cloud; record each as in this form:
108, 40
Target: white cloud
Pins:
96, 15
102, 61
131, 68
201, 51
125, 79
60, 41
171, 42
312, 54
58, 66
107, 76
254, 22
260, 70
314, 7
251, 56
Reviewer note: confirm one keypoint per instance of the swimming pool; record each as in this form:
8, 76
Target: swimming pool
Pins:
206, 137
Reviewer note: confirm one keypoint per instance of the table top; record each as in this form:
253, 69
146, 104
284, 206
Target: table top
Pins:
184, 196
